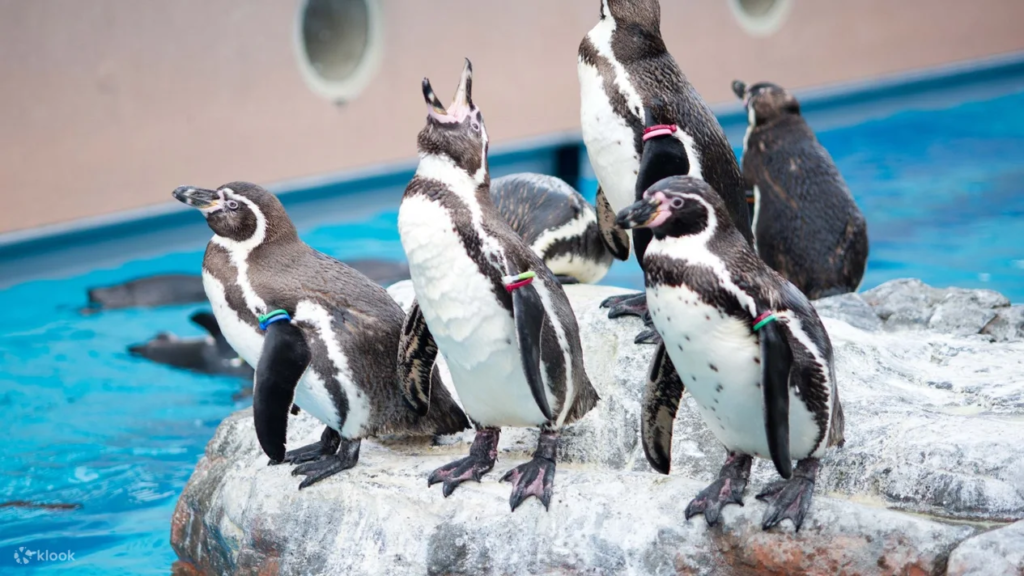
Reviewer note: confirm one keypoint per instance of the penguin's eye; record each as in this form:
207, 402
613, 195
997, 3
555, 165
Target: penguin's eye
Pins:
232, 205
676, 203
475, 126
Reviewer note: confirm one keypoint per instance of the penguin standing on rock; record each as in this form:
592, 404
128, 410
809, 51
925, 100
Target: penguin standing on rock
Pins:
624, 67
319, 333
576, 242
806, 223
487, 302
747, 345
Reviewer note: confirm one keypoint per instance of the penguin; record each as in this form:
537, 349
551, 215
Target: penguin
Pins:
320, 334
624, 67
209, 355
487, 303
745, 343
152, 291
807, 225
561, 226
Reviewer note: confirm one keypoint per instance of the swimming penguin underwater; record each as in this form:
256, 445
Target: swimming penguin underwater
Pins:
625, 68
206, 355
745, 343
320, 334
576, 242
806, 223
486, 302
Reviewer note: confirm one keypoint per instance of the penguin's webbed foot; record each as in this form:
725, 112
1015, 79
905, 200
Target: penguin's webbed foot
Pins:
536, 477
328, 445
327, 466
790, 498
648, 335
728, 489
626, 305
480, 461
566, 279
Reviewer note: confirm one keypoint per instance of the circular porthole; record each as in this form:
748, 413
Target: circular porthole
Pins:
761, 17
339, 45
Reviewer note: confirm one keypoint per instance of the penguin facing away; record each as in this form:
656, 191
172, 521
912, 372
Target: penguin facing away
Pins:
319, 333
623, 68
576, 242
807, 225
745, 343
486, 302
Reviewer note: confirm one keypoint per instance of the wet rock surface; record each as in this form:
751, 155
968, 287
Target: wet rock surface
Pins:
932, 472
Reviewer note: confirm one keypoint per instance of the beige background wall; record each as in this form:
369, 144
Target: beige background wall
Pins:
109, 104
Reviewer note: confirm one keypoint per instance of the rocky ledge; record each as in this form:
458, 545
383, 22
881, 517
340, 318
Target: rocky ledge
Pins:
930, 481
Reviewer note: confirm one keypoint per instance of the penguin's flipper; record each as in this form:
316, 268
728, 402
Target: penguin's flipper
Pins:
661, 399
615, 239
776, 361
528, 312
284, 358
416, 354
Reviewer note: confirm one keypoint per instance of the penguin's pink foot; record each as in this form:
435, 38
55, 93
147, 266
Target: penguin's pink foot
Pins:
728, 489
480, 461
536, 477
790, 498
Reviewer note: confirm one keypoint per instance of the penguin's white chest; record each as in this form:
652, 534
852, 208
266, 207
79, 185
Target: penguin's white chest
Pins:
719, 362
609, 140
472, 329
311, 392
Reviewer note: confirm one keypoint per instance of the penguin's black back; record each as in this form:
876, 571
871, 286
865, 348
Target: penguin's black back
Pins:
809, 228
663, 86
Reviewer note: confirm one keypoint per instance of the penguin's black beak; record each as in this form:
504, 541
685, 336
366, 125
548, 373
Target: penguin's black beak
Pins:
639, 214
739, 89
433, 104
196, 197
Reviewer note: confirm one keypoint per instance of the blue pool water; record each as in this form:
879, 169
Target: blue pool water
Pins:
86, 424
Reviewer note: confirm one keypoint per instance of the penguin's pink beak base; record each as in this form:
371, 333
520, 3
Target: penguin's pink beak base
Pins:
462, 103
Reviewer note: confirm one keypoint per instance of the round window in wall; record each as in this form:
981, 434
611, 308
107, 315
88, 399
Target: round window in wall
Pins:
339, 45
761, 17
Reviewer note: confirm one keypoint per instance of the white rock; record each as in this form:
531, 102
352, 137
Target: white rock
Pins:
935, 425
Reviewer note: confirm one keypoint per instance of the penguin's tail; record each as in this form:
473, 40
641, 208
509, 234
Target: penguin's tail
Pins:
445, 416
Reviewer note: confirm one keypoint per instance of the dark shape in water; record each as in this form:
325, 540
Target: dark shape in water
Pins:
170, 289
207, 355
40, 505
162, 290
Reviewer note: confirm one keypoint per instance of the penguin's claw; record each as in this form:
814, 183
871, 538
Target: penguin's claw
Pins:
327, 465
712, 499
534, 478
648, 336
482, 455
471, 467
565, 279
327, 446
626, 305
790, 498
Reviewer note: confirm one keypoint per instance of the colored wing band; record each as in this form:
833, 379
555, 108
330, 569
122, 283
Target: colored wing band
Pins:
763, 320
517, 280
273, 316
659, 130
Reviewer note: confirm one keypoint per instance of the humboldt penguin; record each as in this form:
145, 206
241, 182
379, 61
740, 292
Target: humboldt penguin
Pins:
806, 223
320, 334
487, 302
576, 242
151, 291
745, 343
623, 68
